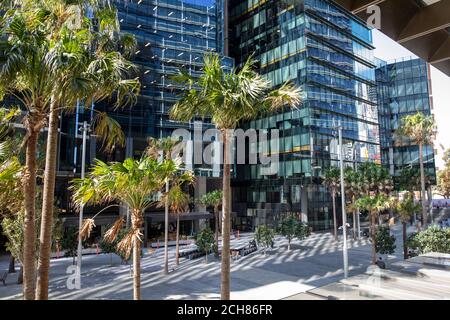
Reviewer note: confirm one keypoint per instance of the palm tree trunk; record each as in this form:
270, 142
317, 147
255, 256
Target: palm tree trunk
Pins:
405, 247
354, 225
226, 202
47, 206
216, 235
422, 184
166, 233
333, 195
137, 270
177, 250
372, 234
136, 225
29, 243
359, 224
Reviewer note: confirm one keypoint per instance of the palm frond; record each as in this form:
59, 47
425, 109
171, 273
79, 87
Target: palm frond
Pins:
112, 233
109, 131
86, 228
126, 244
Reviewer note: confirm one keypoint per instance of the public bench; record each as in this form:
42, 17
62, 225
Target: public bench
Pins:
243, 250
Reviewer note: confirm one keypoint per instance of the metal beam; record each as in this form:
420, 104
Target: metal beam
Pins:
443, 53
362, 5
429, 19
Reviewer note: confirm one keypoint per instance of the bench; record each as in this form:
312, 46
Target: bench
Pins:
187, 252
3, 278
196, 255
242, 251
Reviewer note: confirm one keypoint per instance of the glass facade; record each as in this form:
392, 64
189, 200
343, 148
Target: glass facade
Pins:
403, 89
170, 34
329, 53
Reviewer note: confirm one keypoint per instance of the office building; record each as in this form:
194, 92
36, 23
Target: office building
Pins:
329, 53
404, 88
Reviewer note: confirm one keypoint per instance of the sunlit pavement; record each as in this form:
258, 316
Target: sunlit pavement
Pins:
311, 263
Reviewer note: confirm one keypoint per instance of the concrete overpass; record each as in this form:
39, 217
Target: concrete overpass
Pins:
421, 26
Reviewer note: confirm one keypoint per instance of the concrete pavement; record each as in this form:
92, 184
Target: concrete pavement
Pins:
311, 263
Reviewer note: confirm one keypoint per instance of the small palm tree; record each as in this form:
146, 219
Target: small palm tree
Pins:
229, 98
214, 199
352, 190
405, 209
133, 182
421, 129
333, 182
165, 148
178, 202
374, 204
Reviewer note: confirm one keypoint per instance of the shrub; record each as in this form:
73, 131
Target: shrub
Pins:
69, 242
292, 228
385, 242
111, 247
205, 241
434, 239
264, 236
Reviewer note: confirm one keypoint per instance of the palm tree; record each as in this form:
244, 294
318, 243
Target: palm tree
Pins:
134, 183
164, 147
214, 199
374, 204
75, 68
405, 209
352, 189
332, 180
229, 98
178, 201
421, 129
25, 74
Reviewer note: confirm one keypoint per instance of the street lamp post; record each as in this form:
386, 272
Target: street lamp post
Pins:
344, 216
333, 126
84, 129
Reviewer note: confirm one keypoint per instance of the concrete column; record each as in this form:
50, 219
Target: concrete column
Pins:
129, 147
198, 142
196, 225
200, 190
304, 204
92, 149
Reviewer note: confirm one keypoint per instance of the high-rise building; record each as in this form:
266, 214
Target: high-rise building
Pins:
404, 88
171, 35
329, 53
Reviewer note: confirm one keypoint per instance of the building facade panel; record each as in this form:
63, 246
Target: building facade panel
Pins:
329, 54
404, 88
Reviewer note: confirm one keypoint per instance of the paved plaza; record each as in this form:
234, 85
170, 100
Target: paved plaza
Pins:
313, 262
311, 270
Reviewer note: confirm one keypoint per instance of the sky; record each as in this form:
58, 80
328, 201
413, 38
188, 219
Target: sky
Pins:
387, 50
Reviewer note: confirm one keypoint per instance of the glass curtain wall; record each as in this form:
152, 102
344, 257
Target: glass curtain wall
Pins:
329, 53
404, 88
